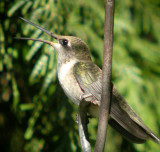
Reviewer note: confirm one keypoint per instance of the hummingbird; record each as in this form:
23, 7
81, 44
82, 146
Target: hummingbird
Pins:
81, 79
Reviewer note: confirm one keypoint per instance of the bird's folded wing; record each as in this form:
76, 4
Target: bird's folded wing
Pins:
89, 77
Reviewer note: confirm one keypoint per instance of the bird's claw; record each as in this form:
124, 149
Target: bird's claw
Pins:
87, 97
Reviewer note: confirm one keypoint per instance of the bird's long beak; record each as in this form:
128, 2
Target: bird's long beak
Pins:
42, 29
26, 38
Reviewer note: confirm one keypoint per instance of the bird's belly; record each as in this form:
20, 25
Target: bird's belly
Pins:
71, 89
73, 92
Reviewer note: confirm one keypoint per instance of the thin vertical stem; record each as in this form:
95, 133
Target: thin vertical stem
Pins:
82, 127
106, 76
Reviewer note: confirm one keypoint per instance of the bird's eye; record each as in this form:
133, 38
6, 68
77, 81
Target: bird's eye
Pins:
63, 41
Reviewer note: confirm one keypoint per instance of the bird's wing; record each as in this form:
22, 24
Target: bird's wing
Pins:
89, 77
123, 118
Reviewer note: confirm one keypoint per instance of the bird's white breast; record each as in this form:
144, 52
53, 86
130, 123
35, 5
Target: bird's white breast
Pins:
68, 82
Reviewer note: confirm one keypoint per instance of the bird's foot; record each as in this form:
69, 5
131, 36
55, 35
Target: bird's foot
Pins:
87, 97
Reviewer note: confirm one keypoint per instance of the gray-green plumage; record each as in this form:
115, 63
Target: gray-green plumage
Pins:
122, 117
81, 79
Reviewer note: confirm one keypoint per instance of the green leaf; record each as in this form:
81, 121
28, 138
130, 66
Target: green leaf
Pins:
15, 7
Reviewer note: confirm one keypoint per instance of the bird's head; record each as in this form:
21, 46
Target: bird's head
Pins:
67, 47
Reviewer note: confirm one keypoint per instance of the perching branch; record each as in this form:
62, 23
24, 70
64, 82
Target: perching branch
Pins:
82, 126
106, 76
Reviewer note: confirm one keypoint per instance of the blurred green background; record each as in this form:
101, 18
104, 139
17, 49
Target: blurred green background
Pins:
35, 115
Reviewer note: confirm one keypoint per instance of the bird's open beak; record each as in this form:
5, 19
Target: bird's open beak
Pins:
45, 41
42, 29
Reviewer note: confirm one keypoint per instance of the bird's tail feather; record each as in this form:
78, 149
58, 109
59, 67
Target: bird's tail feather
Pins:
154, 138
127, 122
126, 134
